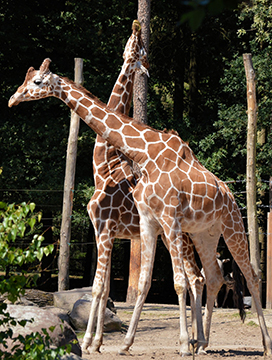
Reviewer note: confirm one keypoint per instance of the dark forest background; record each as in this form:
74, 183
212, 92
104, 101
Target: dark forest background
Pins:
197, 86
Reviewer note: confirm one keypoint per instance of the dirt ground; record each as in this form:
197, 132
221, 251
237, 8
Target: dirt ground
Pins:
158, 333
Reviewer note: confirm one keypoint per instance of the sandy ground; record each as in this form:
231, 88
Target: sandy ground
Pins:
157, 336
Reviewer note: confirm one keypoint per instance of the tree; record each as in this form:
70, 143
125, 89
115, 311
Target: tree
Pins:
140, 114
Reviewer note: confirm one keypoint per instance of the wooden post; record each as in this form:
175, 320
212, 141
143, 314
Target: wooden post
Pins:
269, 260
251, 169
140, 114
65, 232
269, 251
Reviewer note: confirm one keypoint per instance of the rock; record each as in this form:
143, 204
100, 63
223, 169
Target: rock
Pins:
31, 297
43, 319
65, 299
61, 313
80, 315
247, 302
71, 357
21, 301
38, 297
110, 304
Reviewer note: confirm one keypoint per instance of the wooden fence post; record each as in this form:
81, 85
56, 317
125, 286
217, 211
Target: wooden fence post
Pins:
269, 262
251, 169
65, 232
269, 251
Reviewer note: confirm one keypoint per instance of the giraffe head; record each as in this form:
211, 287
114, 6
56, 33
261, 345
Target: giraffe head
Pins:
38, 84
135, 55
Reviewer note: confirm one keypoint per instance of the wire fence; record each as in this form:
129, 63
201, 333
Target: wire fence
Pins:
83, 235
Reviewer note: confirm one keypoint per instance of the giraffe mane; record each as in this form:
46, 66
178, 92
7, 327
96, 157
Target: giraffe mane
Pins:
123, 116
83, 89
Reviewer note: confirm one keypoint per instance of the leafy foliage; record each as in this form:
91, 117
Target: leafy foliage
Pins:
20, 221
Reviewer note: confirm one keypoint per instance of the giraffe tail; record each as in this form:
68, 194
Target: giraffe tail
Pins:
238, 292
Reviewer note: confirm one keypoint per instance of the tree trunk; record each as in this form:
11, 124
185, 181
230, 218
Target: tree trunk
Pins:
193, 94
140, 83
140, 114
251, 169
65, 232
179, 78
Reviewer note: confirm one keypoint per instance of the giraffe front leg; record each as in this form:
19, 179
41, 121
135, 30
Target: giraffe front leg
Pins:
148, 248
98, 339
100, 288
88, 337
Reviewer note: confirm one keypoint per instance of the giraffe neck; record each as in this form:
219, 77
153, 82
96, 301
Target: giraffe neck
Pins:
120, 131
121, 95
112, 163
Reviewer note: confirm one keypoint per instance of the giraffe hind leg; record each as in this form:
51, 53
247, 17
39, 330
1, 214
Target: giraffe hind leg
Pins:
206, 245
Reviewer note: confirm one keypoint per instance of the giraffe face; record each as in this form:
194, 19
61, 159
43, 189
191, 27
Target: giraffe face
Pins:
135, 54
38, 84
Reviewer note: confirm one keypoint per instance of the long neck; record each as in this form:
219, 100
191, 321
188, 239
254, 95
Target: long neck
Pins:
121, 132
121, 95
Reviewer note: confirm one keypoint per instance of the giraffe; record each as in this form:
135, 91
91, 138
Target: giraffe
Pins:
112, 209
175, 194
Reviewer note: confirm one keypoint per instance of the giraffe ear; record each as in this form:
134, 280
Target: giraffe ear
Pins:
30, 70
44, 68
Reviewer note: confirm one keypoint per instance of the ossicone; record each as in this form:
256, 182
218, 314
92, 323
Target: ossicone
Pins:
44, 68
136, 26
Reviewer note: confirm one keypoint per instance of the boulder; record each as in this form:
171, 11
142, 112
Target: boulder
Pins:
43, 319
80, 314
65, 299
61, 313
71, 357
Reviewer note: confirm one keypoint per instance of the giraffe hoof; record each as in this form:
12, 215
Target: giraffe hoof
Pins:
186, 353
201, 352
94, 350
85, 349
87, 341
124, 351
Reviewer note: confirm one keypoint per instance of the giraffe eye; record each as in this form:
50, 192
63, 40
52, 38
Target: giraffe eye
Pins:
37, 82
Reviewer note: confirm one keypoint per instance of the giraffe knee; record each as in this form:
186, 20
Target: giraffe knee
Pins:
179, 289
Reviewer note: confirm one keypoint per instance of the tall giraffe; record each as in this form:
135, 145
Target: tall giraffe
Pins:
112, 208
175, 193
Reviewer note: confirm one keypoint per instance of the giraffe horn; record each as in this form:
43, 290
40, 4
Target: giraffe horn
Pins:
44, 68
136, 25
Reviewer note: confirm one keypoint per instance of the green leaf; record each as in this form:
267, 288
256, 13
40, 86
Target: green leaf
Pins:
40, 254
32, 222
22, 322
13, 234
21, 228
46, 251
51, 247
52, 328
3, 205
32, 207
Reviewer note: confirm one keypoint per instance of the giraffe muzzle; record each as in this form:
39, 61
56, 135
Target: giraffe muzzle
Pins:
13, 101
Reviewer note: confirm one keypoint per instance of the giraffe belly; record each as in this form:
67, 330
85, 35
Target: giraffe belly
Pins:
197, 221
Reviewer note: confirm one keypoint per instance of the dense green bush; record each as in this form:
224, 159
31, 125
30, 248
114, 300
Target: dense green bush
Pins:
20, 222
